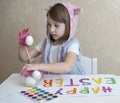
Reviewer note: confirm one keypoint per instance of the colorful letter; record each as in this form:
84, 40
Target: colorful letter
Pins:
60, 82
95, 90
47, 83
73, 91
110, 81
83, 81
59, 91
71, 83
85, 91
99, 81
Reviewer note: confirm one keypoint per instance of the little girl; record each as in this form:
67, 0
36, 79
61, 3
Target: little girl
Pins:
60, 50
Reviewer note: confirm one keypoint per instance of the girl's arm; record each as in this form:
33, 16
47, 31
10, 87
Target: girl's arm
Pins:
60, 67
23, 56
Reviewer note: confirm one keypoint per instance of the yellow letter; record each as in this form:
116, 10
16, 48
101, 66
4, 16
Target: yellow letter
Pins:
99, 81
60, 82
95, 90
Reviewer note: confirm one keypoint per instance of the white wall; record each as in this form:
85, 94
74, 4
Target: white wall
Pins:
98, 31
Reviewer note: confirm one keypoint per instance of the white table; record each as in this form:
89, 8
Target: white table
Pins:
14, 84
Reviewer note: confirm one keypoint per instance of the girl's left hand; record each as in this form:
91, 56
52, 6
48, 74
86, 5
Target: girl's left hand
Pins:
25, 72
29, 67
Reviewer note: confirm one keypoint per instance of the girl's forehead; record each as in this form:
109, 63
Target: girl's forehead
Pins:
50, 20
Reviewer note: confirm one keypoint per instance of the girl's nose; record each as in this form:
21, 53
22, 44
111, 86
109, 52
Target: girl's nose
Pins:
52, 29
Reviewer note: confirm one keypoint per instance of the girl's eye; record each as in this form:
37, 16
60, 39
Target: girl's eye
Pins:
49, 25
56, 25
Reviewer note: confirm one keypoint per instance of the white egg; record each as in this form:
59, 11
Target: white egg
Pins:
29, 81
23, 79
36, 75
29, 40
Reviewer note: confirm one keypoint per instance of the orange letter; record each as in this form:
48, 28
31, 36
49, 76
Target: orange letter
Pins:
47, 83
71, 91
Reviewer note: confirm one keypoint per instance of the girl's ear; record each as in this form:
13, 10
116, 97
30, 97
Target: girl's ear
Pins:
48, 8
78, 11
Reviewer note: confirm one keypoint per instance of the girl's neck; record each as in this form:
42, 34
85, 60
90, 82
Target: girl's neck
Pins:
56, 43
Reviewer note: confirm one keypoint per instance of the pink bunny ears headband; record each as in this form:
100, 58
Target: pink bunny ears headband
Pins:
71, 8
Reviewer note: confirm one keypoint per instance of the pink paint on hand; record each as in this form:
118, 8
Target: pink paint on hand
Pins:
26, 73
22, 36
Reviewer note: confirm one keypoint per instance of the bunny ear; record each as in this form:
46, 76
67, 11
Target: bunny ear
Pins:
48, 8
78, 11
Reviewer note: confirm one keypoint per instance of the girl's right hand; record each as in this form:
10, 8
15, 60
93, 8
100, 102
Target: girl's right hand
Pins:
22, 37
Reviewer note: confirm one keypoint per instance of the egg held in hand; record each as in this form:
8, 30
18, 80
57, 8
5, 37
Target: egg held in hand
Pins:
29, 40
37, 75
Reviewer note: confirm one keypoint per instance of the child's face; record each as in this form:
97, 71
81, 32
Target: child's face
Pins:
56, 29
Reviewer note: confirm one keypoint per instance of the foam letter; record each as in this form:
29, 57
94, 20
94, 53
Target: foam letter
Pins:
60, 82
59, 91
99, 81
73, 91
85, 91
47, 83
110, 81
95, 90
71, 83
83, 81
